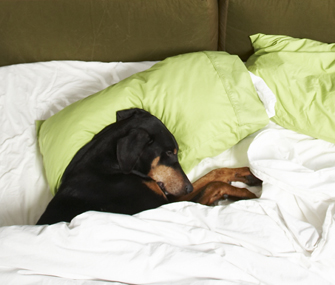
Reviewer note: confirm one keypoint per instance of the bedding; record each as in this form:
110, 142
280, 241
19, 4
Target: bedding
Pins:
284, 237
301, 73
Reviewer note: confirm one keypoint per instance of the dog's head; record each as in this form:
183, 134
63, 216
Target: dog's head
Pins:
150, 149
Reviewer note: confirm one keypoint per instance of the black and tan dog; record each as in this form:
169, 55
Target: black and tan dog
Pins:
132, 166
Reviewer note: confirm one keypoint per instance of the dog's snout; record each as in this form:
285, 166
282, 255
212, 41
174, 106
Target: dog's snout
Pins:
189, 188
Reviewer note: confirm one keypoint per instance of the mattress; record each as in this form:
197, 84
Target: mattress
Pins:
287, 236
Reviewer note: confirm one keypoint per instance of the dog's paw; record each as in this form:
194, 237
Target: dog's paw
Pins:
252, 180
244, 175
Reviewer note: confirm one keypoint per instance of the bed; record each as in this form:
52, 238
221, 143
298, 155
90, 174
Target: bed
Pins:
56, 53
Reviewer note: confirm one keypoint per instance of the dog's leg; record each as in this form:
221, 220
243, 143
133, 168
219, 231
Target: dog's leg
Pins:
228, 175
215, 191
216, 184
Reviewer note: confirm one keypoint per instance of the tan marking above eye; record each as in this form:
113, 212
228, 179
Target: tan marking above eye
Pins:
175, 151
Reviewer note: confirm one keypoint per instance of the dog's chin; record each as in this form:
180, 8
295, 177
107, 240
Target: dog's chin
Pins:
162, 186
168, 194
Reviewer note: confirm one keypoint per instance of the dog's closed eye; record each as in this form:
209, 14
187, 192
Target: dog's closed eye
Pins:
169, 153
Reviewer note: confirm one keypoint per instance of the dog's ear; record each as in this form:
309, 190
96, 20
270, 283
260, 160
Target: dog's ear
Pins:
130, 148
125, 114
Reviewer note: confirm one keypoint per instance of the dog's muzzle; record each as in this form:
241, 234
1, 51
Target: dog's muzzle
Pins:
188, 188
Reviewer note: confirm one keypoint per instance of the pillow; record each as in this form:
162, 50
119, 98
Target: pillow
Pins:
301, 73
206, 99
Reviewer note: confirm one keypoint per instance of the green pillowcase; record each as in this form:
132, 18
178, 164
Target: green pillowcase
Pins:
301, 73
206, 99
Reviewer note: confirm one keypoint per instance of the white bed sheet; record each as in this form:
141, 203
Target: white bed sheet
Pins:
285, 237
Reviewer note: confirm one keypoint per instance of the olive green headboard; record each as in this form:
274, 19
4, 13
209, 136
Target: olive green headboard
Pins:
313, 19
138, 30
105, 30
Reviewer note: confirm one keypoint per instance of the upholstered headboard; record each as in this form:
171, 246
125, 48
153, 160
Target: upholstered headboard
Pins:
105, 30
138, 30
313, 19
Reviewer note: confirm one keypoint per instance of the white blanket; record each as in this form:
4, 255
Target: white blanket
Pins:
249, 242
287, 236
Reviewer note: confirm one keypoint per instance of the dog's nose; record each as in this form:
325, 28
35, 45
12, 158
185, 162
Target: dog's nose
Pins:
189, 188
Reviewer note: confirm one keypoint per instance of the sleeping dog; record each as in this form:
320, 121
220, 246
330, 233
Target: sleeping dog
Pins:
132, 166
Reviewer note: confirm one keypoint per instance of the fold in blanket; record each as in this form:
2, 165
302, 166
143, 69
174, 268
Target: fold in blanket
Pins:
246, 241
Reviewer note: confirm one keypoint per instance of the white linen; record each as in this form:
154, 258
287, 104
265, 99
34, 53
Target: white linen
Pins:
246, 242
266, 95
301, 168
287, 236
